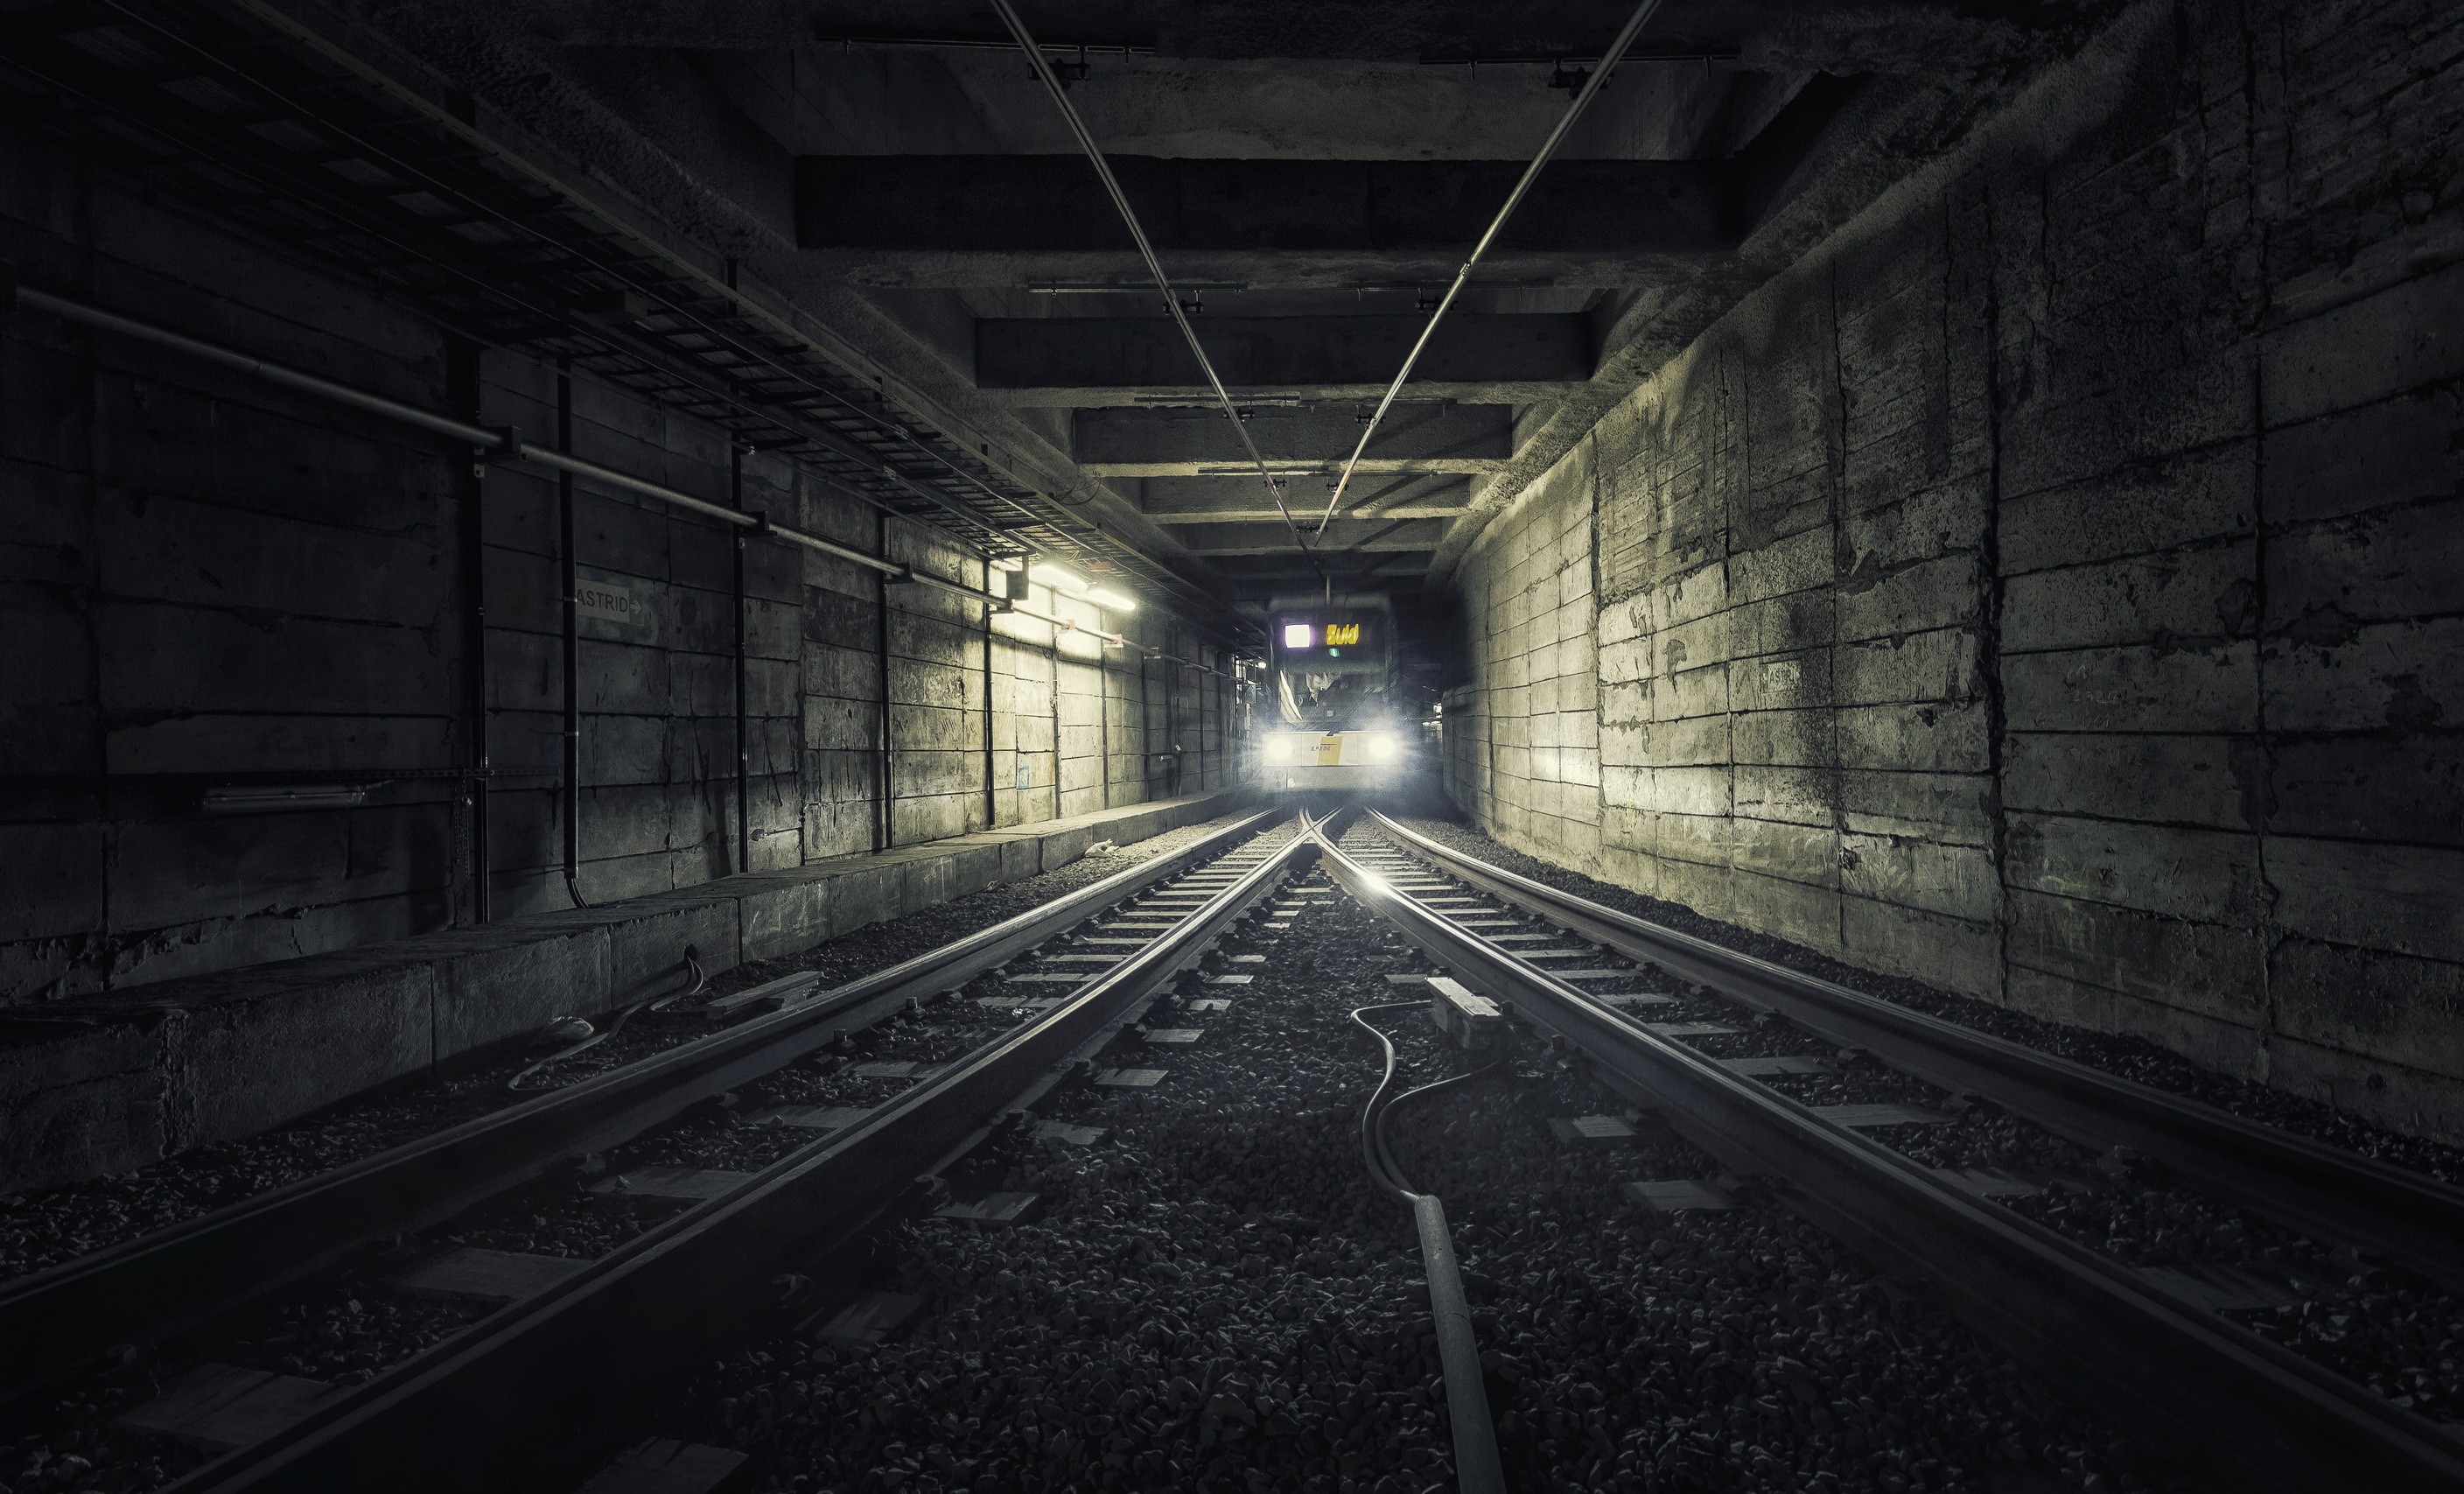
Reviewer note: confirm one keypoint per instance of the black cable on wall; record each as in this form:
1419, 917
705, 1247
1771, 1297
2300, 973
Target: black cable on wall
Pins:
570, 579
462, 394
884, 832
992, 788
743, 741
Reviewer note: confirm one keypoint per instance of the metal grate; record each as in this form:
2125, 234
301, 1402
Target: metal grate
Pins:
250, 119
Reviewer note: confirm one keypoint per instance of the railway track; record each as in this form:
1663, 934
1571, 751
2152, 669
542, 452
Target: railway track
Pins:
541, 1390
2151, 1358
471, 1411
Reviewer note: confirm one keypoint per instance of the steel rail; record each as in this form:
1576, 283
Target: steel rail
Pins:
530, 1395
2309, 1187
2181, 1376
54, 1320
1582, 100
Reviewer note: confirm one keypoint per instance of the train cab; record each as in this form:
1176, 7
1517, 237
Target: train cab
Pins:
1332, 669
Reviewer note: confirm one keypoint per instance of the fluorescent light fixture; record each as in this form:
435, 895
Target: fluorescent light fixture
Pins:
1113, 599
1059, 580
275, 797
1296, 635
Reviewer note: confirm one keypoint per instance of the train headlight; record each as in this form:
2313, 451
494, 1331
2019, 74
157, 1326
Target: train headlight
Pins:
1384, 747
1279, 748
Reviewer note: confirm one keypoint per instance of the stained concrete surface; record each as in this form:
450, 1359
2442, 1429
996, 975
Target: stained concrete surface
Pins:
2047, 591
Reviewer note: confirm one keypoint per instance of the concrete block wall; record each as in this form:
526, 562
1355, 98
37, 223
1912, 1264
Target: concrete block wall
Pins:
658, 699
2050, 589
1091, 727
200, 575
204, 576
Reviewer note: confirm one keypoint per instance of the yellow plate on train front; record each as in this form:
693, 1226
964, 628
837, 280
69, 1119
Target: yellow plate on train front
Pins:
1329, 751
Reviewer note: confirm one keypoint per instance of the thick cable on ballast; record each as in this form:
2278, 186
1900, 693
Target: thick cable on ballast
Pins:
1154, 265
1478, 1469
1591, 85
700, 983
1371, 1155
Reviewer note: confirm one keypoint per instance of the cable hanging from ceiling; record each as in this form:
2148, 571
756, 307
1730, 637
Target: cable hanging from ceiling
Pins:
1154, 267
1591, 85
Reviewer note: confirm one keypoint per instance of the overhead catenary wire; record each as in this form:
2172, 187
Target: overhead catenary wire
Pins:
1591, 85
1154, 267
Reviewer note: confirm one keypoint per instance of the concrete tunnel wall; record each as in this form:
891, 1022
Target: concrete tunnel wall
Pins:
2053, 588
206, 575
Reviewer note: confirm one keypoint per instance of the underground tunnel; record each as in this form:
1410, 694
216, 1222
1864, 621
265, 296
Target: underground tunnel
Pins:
1354, 748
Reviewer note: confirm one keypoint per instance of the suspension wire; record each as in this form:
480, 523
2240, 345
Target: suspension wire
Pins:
1591, 85
1154, 267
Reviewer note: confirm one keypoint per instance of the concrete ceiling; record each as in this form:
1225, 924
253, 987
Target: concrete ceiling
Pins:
1312, 174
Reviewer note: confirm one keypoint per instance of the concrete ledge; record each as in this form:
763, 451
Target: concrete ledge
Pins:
100, 1086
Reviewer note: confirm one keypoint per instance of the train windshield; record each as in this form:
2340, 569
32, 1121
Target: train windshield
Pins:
1334, 665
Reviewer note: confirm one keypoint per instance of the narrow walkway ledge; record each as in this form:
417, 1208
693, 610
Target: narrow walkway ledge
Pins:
100, 1086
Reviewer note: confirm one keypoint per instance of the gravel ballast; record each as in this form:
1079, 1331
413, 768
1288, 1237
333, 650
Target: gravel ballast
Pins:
1215, 1298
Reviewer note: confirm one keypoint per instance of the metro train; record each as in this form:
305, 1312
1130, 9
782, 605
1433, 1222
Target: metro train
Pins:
1332, 719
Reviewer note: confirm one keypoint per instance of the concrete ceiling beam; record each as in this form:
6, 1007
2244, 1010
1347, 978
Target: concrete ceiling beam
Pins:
1011, 204
1253, 573
1269, 539
1099, 360
1328, 466
1229, 500
1896, 35
1252, 270
1199, 442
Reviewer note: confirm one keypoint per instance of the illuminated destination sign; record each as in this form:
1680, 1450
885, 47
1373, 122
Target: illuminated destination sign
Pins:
1331, 638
